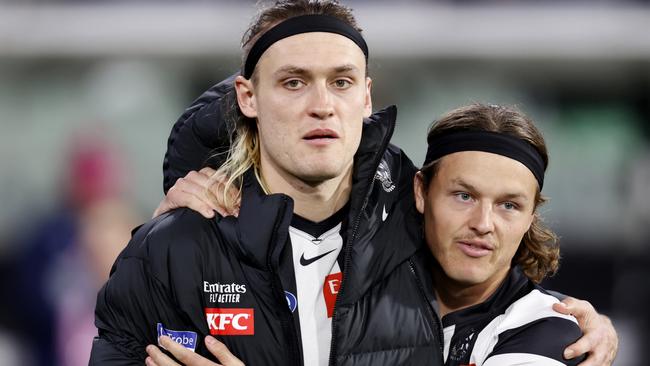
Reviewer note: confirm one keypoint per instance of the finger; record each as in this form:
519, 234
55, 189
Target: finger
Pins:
232, 194
221, 352
599, 341
217, 204
235, 197
582, 310
179, 198
225, 200
157, 357
161, 209
192, 203
184, 355
198, 178
207, 171
561, 308
216, 184
191, 186
181, 195
580, 347
577, 306
199, 185
569, 303
150, 362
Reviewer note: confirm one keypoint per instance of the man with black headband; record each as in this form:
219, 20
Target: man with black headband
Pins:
479, 191
322, 265
331, 269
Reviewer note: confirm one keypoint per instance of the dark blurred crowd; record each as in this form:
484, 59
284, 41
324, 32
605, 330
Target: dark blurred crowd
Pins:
60, 258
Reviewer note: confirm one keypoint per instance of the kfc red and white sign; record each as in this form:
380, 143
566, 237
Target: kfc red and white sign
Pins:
230, 321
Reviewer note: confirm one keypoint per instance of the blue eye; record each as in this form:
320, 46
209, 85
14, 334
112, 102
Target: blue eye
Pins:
464, 196
509, 206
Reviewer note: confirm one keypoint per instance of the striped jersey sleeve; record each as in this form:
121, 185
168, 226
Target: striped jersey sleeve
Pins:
529, 332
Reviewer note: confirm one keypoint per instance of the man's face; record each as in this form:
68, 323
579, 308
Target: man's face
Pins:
476, 209
310, 96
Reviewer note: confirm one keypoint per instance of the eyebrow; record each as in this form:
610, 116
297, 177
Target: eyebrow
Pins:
290, 69
297, 70
462, 183
346, 68
507, 196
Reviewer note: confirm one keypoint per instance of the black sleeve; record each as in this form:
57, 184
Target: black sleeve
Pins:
201, 135
152, 281
107, 353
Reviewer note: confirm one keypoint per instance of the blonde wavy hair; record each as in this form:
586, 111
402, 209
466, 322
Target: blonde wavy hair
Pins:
539, 252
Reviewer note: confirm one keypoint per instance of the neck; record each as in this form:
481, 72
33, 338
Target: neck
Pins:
453, 295
314, 201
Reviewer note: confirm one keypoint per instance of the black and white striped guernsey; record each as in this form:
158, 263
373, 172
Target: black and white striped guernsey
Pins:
515, 326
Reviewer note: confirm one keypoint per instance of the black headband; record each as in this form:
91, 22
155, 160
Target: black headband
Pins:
492, 142
298, 25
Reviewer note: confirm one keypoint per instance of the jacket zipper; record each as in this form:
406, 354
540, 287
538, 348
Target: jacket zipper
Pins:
346, 260
276, 287
436, 320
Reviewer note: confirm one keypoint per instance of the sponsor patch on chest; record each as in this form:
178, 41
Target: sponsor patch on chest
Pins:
331, 291
230, 321
186, 339
223, 293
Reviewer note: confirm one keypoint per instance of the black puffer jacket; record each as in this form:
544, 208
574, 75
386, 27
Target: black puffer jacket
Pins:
383, 313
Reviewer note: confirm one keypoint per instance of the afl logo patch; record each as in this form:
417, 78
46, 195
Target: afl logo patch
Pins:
383, 176
291, 301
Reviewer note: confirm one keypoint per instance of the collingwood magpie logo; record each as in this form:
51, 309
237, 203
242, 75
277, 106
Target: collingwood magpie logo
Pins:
460, 350
383, 176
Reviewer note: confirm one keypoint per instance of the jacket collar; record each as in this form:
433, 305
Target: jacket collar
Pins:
513, 287
372, 257
262, 227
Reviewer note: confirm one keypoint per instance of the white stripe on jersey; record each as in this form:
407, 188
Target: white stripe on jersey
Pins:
315, 325
448, 333
535, 305
521, 359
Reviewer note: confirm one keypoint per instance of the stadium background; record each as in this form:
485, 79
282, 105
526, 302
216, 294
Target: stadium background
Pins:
90, 89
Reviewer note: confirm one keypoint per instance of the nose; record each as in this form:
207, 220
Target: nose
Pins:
482, 220
320, 105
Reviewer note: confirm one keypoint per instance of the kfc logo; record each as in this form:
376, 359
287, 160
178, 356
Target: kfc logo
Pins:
331, 290
224, 321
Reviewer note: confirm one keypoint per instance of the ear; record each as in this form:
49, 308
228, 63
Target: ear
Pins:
419, 190
367, 106
246, 97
